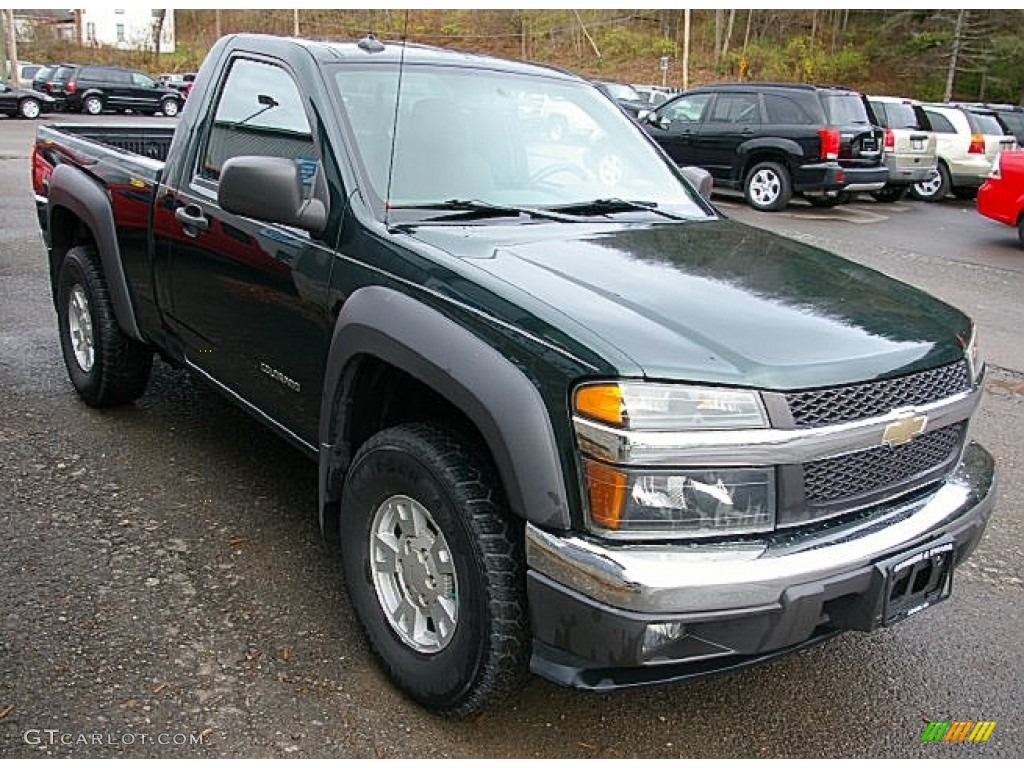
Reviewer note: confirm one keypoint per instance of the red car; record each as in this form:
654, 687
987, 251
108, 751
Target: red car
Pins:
1001, 197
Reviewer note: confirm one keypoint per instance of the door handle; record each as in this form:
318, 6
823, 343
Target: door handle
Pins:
191, 216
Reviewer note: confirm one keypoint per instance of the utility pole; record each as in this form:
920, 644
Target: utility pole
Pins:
686, 49
216, 24
12, 46
3, 44
295, 23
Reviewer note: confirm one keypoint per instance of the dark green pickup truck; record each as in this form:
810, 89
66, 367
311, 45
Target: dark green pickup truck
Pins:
568, 417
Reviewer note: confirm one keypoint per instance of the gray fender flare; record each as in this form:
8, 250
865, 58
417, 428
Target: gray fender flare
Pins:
496, 396
75, 190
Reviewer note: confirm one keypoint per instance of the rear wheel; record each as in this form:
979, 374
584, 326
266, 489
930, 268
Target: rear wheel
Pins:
434, 567
767, 187
105, 366
935, 188
170, 107
1020, 229
92, 105
889, 194
965, 193
29, 108
820, 201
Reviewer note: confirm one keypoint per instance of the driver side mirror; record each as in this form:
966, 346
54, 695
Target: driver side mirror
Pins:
269, 189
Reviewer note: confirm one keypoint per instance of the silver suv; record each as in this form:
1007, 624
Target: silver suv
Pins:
969, 140
910, 145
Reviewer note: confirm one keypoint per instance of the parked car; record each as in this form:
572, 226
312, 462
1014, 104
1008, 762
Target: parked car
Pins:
624, 95
52, 80
910, 147
775, 140
656, 95
969, 138
1001, 197
97, 88
24, 102
179, 81
26, 72
578, 425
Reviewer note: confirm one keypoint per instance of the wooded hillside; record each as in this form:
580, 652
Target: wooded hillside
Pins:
926, 54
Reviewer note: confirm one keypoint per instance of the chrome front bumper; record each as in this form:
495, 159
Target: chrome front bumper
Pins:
744, 600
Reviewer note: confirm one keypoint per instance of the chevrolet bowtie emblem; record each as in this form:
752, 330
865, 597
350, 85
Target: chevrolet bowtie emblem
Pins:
904, 430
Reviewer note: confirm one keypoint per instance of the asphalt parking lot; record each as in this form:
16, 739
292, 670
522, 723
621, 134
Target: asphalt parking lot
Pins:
166, 593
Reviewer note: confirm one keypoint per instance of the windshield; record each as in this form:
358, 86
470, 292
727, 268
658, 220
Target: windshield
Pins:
845, 109
499, 138
625, 92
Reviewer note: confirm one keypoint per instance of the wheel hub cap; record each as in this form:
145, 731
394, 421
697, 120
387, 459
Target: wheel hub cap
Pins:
413, 574
80, 329
765, 187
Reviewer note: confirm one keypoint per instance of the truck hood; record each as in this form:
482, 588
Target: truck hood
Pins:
713, 301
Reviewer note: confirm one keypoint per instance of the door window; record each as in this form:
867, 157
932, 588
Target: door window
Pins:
687, 109
940, 124
139, 80
259, 112
736, 109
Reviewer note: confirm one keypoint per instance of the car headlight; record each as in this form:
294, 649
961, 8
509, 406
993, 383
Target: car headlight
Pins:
670, 407
681, 502
675, 502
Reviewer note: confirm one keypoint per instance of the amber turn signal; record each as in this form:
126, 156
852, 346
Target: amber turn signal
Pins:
602, 402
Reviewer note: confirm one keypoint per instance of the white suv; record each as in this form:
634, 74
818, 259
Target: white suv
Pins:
969, 140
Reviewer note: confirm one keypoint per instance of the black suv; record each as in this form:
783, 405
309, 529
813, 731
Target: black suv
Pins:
93, 89
773, 140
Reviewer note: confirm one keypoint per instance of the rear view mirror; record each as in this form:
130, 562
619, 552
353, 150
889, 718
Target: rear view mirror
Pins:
700, 179
269, 189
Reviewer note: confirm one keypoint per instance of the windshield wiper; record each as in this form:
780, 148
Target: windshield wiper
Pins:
474, 209
617, 205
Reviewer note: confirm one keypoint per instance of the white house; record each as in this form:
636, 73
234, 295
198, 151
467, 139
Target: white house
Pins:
128, 27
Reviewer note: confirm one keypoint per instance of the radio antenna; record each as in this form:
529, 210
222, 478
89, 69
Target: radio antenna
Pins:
394, 125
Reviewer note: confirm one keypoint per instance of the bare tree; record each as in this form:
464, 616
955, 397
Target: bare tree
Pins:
159, 17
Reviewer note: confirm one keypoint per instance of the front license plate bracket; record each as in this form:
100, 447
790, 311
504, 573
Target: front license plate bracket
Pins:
917, 580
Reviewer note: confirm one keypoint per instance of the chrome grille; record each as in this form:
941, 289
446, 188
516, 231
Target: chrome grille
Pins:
881, 468
822, 407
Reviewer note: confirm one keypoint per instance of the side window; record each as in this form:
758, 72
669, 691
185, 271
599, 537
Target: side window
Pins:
688, 109
879, 109
783, 110
259, 112
117, 77
736, 109
940, 124
139, 80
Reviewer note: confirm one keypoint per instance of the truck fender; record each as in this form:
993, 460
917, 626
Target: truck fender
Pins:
76, 191
493, 393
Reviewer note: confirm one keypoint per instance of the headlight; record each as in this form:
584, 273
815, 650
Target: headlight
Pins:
975, 361
662, 407
680, 502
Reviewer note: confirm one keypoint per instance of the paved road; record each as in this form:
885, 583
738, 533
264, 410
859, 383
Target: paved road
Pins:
164, 580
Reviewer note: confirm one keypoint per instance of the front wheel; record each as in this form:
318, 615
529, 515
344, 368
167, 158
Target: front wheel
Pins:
93, 105
105, 366
434, 565
936, 188
768, 187
29, 108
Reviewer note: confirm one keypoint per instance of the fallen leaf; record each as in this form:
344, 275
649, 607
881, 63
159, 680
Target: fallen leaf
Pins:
6, 711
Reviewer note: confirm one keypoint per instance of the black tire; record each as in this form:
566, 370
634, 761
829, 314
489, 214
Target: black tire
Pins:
92, 105
767, 187
484, 658
965, 193
118, 369
29, 108
889, 194
1020, 229
170, 107
935, 189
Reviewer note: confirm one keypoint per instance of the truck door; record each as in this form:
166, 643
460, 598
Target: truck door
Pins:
248, 299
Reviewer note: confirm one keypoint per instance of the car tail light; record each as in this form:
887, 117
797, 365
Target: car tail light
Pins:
47, 86
977, 145
829, 143
71, 87
889, 144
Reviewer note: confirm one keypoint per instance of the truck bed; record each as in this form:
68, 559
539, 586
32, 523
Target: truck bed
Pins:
145, 140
